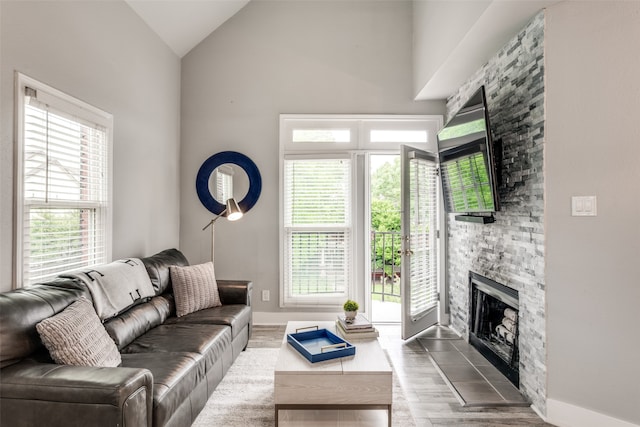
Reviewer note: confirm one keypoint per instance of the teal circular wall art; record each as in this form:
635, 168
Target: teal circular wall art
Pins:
202, 181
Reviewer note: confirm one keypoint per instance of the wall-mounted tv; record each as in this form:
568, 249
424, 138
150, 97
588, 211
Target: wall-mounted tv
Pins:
467, 163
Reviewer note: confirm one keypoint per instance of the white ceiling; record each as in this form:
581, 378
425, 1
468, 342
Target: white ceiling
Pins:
183, 24
498, 23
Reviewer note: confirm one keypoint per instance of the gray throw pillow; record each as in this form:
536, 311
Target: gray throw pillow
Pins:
75, 336
194, 288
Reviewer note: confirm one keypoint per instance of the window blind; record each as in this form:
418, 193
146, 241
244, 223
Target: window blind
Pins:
318, 229
65, 187
423, 217
223, 182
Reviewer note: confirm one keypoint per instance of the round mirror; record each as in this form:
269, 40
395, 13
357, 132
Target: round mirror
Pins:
225, 175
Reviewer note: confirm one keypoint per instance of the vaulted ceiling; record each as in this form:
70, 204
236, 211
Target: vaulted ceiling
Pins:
182, 24
480, 29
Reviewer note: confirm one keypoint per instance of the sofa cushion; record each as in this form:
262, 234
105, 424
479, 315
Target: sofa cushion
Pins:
129, 325
21, 309
83, 385
158, 268
209, 341
175, 375
238, 316
116, 286
166, 306
76, 336
194, 288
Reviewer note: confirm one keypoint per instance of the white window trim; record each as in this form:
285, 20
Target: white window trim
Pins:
313, 301
74, 107
360, 125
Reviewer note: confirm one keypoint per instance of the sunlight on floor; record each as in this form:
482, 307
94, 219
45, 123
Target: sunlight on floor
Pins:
385, 312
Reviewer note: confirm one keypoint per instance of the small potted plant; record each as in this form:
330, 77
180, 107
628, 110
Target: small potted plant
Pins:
350, 310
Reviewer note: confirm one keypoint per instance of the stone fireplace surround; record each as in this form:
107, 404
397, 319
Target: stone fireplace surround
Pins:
511, 250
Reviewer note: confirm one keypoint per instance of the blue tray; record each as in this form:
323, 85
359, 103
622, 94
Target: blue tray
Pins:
320, 345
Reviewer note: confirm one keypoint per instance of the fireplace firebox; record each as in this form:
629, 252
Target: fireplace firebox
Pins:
493, 324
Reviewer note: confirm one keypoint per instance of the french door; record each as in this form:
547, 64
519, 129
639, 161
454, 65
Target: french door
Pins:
419, 275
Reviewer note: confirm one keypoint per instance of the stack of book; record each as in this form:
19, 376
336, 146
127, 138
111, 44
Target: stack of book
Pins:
359, 328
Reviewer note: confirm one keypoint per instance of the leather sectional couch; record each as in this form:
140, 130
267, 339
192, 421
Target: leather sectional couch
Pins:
170, 365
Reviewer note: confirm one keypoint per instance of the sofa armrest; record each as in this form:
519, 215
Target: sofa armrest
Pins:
58, 395
235, 291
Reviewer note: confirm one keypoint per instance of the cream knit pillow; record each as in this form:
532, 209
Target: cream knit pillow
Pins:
194, 288
75, 336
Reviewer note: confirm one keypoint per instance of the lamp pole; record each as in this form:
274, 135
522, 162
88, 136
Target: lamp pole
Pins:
233, 213
213, 231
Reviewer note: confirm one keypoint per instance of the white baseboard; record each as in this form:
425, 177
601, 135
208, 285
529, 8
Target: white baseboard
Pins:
444, 319
539, 413
269, 318
456, 331
564, 414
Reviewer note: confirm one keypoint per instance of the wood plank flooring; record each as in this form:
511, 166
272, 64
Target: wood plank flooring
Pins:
431, 401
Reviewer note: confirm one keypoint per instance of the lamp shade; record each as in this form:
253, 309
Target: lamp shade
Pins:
233, 210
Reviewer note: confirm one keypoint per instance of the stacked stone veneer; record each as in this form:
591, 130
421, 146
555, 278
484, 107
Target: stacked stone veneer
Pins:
511, 250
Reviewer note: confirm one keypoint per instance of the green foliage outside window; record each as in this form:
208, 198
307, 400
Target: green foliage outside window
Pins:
386, 227
55, 233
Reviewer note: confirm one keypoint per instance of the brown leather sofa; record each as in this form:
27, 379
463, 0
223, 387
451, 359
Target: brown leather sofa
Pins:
170, 366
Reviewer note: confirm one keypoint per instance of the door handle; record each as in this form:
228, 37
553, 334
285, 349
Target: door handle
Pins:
406, 252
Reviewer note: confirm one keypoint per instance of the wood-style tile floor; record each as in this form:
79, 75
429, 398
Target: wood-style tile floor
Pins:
431, 401
469, 374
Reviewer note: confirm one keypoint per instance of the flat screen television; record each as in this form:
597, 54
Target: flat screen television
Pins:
467, 162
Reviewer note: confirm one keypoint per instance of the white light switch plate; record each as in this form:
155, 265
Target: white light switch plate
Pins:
583, 206
265, 295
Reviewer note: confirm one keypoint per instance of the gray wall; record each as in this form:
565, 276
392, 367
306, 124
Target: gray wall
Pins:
592, 148
278, 57
511, 250
103, 54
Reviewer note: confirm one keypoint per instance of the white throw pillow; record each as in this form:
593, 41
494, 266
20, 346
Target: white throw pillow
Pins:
194, 288
75, 336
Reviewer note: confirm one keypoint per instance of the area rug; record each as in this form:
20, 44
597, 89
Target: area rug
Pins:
244, 398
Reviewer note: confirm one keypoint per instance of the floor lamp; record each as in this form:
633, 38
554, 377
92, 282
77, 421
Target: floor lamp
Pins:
232, 212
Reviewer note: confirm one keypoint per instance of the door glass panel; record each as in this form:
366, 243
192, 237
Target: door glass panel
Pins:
419, 256
422, 218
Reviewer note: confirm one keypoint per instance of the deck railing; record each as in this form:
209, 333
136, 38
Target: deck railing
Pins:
385, 265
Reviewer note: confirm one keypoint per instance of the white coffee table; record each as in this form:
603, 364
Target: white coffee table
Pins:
362, 381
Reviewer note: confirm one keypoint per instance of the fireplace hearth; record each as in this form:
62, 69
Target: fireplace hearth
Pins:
493, 324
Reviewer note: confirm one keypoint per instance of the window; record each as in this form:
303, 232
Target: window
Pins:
323, 229
63, 185
318, 229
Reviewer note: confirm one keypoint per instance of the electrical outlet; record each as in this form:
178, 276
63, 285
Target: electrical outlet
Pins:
265, 295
